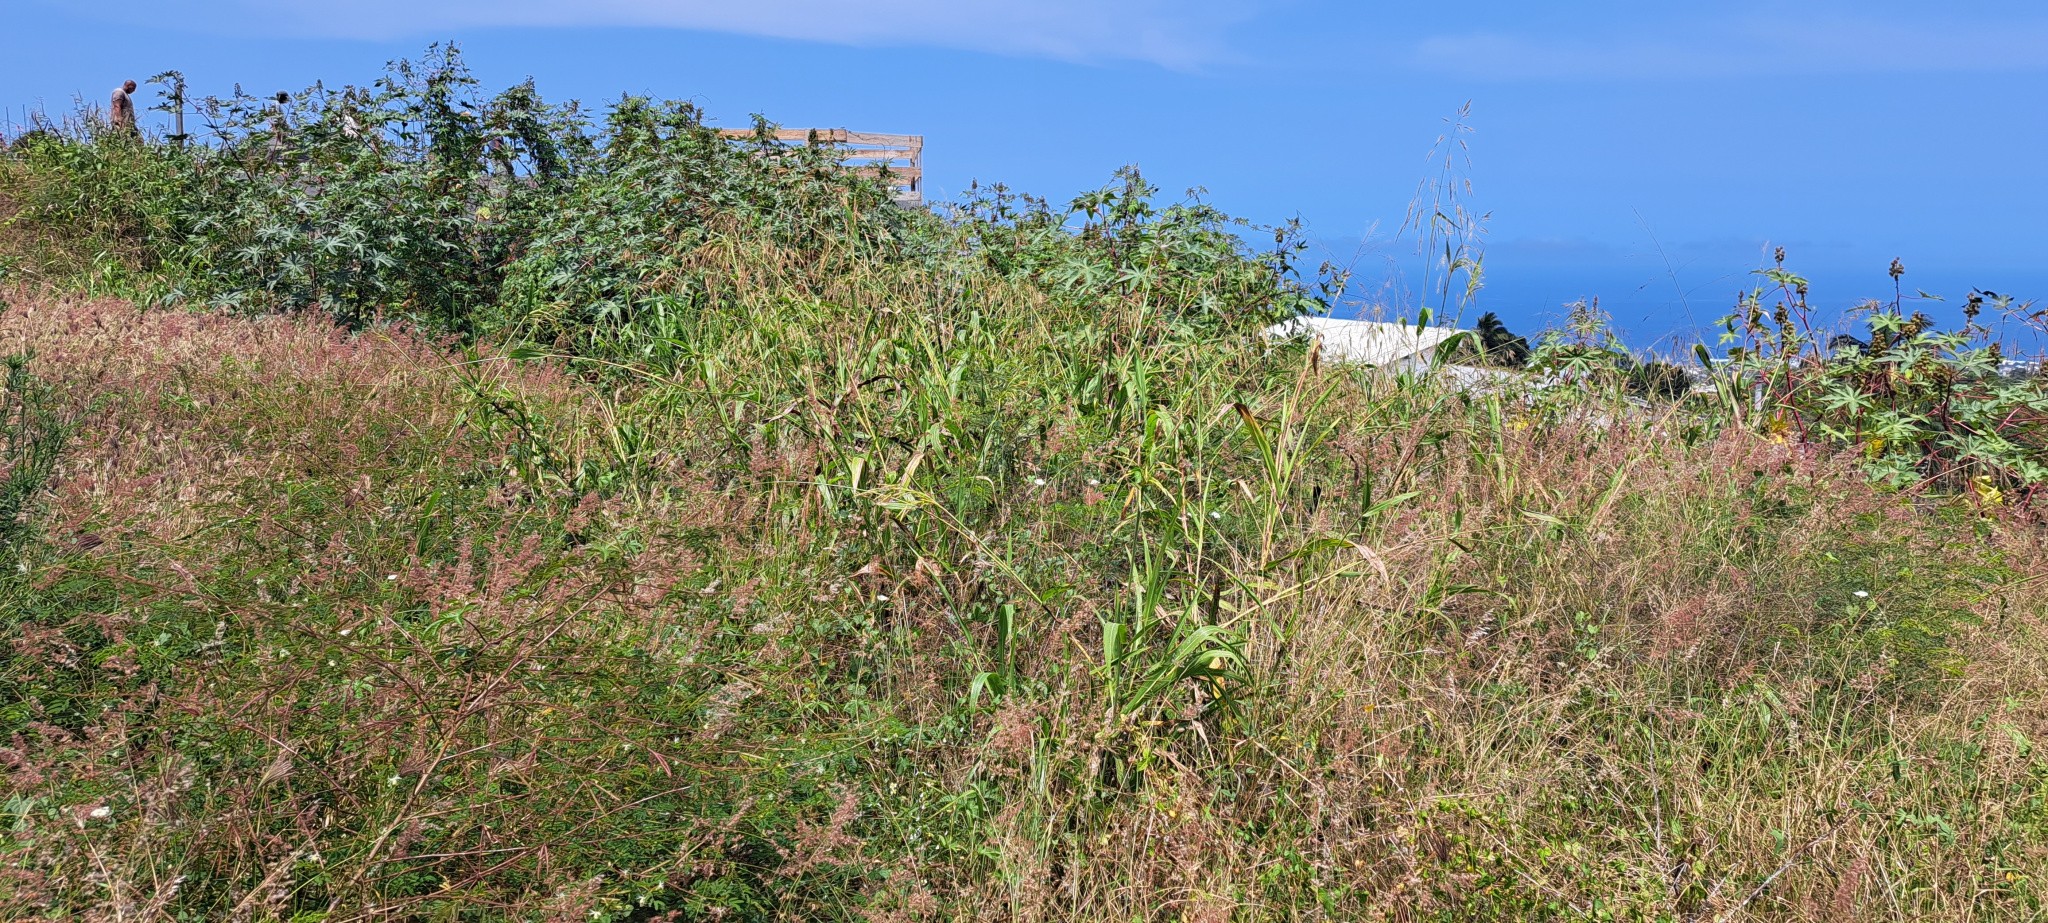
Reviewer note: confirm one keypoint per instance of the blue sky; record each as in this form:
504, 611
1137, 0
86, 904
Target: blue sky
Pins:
1650, 154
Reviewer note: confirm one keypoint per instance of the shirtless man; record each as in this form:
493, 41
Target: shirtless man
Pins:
122, 109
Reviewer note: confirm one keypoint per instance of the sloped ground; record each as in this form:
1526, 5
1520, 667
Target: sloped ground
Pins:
331, 626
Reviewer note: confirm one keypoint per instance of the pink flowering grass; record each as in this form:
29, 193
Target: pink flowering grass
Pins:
328, 655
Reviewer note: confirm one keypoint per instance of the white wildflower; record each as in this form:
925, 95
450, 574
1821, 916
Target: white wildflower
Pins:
1862, 594
1038, 481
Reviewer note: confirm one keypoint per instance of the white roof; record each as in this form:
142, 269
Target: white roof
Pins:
1370, 342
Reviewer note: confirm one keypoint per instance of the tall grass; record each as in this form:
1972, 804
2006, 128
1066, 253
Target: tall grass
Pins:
761, 552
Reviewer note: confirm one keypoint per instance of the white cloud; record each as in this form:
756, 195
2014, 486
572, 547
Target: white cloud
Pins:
1182, 34
1749, 47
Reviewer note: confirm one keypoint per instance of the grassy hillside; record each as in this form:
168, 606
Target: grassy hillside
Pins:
611, 522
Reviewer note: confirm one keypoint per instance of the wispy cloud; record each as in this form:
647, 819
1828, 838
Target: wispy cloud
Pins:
1749, 47
1172, 33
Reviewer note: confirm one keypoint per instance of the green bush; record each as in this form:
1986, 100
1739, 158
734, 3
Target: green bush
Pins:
1918, 404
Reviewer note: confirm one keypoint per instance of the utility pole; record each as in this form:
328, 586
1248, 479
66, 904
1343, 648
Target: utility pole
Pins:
178, 114
278, 127
173, 94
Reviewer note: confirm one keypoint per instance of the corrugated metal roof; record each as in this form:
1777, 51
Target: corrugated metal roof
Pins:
1370, 342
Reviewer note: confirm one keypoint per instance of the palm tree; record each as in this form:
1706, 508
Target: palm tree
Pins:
1501, 346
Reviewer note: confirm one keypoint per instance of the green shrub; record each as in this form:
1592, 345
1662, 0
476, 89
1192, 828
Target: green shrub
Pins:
1920, 405
614, 249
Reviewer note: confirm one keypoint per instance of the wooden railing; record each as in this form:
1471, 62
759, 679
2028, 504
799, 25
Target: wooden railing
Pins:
863, 152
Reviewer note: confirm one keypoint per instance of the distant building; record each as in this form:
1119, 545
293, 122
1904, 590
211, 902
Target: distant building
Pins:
2019, 367
1386, 345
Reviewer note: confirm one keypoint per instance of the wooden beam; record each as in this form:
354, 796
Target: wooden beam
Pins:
863, 137
897, 179
878, 154
832, 136
801, 135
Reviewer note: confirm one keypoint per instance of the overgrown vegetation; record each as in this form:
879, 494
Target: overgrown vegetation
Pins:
32, 436
548, 521
1922, 405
